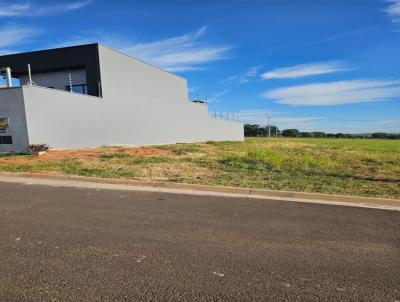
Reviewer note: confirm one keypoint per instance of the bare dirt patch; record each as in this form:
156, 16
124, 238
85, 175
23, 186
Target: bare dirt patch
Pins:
91, 154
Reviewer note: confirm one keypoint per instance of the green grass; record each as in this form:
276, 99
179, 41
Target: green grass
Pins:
72, 166
341, 166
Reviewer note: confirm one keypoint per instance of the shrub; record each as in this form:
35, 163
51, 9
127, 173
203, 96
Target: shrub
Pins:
38, 147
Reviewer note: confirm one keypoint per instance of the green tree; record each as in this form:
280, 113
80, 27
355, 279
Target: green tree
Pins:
291, 133
256, 130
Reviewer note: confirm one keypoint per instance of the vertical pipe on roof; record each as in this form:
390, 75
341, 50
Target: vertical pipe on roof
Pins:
70, 81
8, 77
30, 74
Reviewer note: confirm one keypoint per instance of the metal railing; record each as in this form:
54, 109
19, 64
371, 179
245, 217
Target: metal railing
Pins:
228, 116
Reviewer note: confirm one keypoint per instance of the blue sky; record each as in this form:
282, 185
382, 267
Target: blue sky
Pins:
312, 64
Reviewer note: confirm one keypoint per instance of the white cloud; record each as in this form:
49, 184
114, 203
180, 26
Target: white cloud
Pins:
193, 89
222, 93
12, 10
305, 70
78, 4
259, 117
4, 52
217, 97
181, 53
28, 8
334, 125
12, 35
336, 93
177, 54
296, 119
393, 10
342, 35
230, 79
79, 40
253, 71
243, 78
308, 123
390, 121
256, 116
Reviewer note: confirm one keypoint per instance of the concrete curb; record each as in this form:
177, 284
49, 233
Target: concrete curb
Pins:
121, 184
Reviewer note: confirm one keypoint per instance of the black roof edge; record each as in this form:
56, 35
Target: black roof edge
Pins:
49, 49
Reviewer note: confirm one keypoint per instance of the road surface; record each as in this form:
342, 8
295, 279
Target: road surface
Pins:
79, 244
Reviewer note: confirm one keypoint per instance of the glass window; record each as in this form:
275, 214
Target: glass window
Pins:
81, 88
6, 140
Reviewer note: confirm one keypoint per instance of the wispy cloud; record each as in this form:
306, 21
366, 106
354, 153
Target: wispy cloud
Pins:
12, 35
4, 52
12, 10
359, 125
390, 121
242, 78
342, 35
217, 97
305, 70
181, 53
259, 117
307, 123
393, 10
80, 39
177, 54
192, 89
28, 8
336, 93
297, 119
256, 116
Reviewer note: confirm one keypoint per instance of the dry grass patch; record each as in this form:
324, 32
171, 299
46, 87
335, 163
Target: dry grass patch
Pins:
341, 166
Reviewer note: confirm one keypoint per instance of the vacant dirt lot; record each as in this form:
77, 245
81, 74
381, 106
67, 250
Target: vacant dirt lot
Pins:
340, 166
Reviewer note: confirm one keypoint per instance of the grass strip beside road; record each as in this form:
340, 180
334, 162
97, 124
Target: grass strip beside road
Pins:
360, 167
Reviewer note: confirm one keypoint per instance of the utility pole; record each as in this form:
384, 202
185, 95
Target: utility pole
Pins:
269, 125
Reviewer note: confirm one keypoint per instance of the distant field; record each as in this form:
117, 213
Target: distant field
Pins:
340, 166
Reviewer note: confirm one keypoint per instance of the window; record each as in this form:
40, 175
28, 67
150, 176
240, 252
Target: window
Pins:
81, 88
6, 140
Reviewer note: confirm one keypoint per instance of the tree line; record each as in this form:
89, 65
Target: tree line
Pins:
263, 131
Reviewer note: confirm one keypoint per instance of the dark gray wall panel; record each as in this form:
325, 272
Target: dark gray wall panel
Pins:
75, 57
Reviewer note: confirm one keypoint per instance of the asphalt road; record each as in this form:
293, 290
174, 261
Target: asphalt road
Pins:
75, 244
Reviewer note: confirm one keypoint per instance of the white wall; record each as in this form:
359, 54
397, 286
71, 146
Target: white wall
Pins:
58, 79
12, 107
141, 105
158, 100
66, 120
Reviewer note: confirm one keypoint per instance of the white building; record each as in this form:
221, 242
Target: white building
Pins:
115, 100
